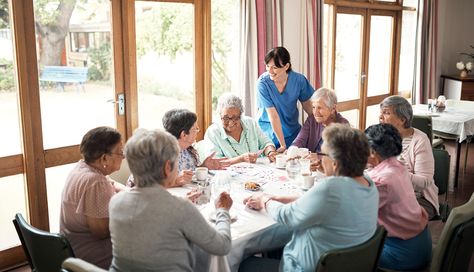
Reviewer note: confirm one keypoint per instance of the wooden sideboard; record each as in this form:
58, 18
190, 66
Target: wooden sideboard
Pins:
458, 88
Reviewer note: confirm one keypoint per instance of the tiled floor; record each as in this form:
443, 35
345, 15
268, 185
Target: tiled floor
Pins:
459, 196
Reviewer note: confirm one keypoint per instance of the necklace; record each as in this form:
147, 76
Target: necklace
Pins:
235, 150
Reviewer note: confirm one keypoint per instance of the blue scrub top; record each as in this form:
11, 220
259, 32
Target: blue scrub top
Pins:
297, 88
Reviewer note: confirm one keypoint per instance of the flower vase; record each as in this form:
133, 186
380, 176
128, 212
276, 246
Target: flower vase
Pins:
463, 73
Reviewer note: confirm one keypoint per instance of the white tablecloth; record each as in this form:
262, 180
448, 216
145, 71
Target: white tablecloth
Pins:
249, 223
456, 121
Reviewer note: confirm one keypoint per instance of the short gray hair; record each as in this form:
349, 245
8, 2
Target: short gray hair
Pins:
402, 108
229, 100
329, 96
147, 152
349, 147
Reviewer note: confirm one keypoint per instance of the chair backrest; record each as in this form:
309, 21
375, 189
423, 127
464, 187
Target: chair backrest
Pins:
79, 265
455, 244
46, 251
423, 123
363, 257
460, 247
441, 170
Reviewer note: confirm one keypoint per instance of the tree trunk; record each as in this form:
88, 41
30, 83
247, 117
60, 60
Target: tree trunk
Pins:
52, 34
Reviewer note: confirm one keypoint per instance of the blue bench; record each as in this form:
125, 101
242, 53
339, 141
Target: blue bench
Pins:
64, 74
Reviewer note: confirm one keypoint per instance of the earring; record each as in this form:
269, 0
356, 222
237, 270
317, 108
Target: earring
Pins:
105, 166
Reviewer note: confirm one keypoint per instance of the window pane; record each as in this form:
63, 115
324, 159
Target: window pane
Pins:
352, 116
55, 179
372, 116
165, 60
13, 201
380, 55
410, 3
75, 75
224, 48
348, 56
407, 54
10, 143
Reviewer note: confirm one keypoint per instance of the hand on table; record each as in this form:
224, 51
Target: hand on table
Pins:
193, 195
184, 178
224, 201
257, 201
249, 157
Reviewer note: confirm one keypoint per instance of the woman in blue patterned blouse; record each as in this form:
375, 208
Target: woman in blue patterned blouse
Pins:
182, 124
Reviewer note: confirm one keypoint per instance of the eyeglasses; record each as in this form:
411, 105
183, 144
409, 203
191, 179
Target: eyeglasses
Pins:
227, 119
196, 129
321, 154
118, 154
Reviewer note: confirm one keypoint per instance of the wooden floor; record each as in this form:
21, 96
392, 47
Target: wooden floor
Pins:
457, 197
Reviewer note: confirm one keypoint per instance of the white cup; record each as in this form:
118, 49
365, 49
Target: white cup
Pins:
280, 160
308, 181
292, 151
201, 173
303, 152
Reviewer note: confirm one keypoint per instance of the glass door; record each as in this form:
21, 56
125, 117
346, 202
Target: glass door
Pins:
363, 64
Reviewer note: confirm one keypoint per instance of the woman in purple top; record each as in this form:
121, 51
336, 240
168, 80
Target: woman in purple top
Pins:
323, 103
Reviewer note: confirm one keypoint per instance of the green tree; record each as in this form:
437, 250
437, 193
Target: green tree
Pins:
52, 25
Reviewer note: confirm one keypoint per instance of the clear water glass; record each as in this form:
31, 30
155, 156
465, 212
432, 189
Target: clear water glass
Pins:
293, 169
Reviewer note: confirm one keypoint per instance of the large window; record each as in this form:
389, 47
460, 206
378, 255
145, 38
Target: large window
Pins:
94, 64
368, 56
165, 59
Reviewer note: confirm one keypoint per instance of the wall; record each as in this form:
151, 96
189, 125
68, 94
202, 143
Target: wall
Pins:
456, 33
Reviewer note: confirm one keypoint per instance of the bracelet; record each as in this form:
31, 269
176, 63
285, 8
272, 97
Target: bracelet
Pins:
270, 152
265, 203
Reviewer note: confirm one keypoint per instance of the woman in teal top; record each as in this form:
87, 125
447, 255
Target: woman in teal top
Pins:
278, 91
237, 137
339, 211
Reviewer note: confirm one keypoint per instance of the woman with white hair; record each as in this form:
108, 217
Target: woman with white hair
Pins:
238, 137
323, 103
165, 228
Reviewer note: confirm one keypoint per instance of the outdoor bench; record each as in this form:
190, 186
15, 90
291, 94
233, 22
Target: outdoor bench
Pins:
65, 74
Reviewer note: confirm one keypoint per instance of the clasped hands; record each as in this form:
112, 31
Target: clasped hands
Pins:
257, 201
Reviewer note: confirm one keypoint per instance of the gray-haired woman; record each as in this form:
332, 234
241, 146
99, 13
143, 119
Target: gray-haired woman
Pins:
346, 192
323, 102
417, 153
165, 227
238, 137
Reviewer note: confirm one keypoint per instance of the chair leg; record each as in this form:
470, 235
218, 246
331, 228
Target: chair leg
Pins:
468, 141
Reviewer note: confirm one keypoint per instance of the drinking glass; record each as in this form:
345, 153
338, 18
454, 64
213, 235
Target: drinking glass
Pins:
293, 168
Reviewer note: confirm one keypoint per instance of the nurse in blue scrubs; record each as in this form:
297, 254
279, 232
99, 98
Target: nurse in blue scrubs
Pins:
278, 91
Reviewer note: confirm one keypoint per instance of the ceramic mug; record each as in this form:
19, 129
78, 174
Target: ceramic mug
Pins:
201, 173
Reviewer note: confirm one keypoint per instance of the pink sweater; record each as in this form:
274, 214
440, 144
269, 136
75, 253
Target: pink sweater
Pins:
420, 162
399, 212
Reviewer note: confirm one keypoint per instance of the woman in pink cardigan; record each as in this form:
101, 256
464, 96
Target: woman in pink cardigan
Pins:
417, 153
408, 242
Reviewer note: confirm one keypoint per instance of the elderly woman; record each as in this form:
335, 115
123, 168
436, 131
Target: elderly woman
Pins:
346, 192
164, 228
324, 103
408, 243
182, 124
278, 91
84, 217
417, 153
238, 137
